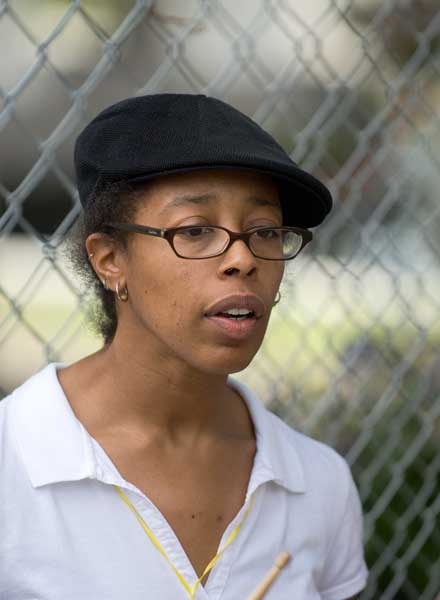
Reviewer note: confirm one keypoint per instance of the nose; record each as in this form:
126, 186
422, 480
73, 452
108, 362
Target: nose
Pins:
238, 259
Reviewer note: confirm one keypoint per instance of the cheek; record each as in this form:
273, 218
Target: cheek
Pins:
272, 275
170, 296
173, 306
181, 295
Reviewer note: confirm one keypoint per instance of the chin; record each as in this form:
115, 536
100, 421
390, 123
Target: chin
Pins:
225, 361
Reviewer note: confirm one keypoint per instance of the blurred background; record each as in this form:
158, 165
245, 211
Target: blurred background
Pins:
351, 90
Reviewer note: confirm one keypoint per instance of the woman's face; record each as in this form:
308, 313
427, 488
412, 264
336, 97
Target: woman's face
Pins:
172, 301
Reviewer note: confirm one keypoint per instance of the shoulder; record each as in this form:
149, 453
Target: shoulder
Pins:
330, 493
8, 407
302, 463
20, 409
10, 463
332, 508
32, 391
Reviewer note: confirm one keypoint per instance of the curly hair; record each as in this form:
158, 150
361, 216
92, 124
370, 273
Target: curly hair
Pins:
116, 201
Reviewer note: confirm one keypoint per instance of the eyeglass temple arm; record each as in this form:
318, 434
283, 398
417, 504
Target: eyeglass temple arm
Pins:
139, 228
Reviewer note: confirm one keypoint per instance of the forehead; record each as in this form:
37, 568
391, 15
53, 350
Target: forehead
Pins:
210, 188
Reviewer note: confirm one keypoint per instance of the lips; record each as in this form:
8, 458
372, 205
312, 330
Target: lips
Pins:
250, 302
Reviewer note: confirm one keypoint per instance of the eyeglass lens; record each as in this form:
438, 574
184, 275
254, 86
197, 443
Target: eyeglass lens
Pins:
202, 242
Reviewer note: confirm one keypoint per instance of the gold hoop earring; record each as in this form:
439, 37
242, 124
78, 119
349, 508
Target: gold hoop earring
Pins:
277, 299
123, 295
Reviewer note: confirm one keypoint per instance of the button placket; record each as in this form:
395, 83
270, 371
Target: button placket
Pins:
168, 546
216, 586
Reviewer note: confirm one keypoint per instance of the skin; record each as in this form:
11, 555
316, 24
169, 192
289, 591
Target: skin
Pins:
156, 398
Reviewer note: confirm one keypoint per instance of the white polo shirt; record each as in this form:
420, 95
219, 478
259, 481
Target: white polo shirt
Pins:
66, 533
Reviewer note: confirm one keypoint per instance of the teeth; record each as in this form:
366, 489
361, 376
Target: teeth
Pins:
237, 311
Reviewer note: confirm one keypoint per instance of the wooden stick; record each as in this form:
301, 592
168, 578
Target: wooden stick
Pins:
280, 562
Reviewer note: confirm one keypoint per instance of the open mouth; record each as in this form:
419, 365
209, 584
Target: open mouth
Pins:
239, 326
236, 315
241, 316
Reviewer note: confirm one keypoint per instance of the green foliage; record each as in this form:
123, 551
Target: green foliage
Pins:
383, 414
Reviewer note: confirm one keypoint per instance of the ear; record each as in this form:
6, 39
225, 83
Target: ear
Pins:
108, 260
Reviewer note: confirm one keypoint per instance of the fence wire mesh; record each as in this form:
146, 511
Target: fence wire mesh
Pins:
352, 91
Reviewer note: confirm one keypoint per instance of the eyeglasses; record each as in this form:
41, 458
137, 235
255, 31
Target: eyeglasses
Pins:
206, 241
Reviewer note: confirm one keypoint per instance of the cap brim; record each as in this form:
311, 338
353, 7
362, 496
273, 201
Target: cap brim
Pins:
305, 200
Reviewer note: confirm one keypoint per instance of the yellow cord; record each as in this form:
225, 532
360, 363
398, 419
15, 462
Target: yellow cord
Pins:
190, 589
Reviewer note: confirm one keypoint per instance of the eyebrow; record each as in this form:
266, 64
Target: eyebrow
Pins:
205, 199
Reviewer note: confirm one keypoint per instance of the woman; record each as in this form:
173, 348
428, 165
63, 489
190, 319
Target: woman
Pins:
144, 470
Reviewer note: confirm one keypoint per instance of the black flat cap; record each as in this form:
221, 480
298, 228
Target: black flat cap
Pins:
148, 136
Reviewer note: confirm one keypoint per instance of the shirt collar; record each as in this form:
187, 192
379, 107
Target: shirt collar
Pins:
54, 444
56, 447
277, 459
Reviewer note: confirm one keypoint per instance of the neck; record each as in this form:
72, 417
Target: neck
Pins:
118, 391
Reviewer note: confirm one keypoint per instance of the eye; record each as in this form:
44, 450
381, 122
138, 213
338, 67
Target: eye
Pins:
195, 232
268, 234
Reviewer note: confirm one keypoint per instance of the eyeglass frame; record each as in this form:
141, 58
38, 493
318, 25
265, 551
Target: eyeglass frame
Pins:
169, 233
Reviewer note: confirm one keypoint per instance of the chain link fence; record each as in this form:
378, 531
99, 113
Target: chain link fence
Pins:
352, 91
